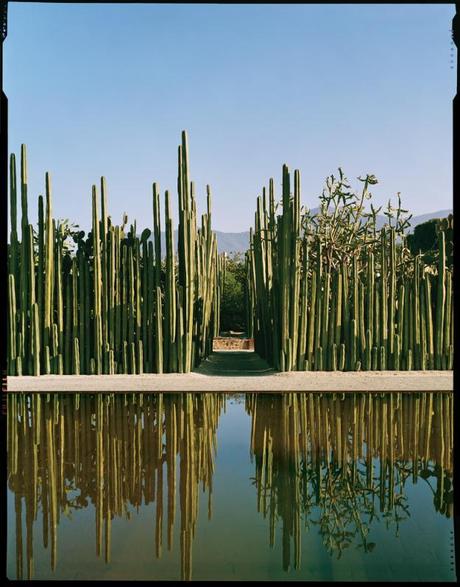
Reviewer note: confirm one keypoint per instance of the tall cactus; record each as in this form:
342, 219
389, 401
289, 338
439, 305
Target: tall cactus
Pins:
315, 300
345, 294
112, 304
441, 299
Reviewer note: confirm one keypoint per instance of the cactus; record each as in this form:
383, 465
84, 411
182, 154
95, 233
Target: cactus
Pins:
441, 299
76, 357
49, 276
374, 358
333, 293
342, 357
397, 352
335, 279
111, 305
12, 349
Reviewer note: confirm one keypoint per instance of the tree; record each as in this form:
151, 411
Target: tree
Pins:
425, 239
232, 308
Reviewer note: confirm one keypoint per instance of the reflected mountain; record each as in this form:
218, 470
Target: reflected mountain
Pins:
340, 462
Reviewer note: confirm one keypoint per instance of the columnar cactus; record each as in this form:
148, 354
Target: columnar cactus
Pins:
334, 292
112, 305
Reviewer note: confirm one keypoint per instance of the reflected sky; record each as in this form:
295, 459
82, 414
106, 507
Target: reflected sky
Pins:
238, 486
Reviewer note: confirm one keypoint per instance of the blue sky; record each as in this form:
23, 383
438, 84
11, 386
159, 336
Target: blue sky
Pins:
106, 90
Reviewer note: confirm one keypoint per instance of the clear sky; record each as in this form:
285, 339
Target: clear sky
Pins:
106, 90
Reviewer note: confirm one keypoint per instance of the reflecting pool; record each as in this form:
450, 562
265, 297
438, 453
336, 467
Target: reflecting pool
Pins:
299, 486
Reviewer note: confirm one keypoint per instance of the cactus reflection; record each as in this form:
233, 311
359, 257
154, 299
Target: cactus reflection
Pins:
338, 461
333, 463
112, 450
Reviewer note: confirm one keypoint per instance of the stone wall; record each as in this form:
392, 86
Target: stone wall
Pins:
230, 343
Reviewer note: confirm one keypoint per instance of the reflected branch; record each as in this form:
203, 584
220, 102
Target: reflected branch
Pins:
339, 462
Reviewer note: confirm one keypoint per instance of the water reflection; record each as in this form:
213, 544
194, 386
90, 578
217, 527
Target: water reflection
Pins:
113, 450
337, 463
340, 462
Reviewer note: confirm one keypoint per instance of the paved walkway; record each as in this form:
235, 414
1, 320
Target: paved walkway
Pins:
229, 371
239, 363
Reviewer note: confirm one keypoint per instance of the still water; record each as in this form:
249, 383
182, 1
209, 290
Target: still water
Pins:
245, 487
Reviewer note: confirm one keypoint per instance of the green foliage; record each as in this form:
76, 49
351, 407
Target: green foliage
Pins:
424, 239
334, 485
330, 290
70, 235
232, 308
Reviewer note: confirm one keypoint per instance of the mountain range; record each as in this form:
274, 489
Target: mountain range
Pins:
238, 242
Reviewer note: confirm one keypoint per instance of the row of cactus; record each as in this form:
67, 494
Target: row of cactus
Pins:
113, 304
343, 459
330, 291
121, 451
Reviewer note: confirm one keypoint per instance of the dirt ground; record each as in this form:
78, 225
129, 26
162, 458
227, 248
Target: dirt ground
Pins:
239, 371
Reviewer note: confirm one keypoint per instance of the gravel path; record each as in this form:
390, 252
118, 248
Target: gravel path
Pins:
240, 371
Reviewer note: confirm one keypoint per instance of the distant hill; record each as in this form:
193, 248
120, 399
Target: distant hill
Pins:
227, 242
232, 242
238, 242
424, 217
